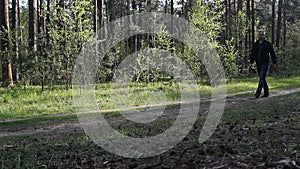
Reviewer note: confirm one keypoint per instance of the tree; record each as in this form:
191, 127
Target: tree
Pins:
273, 21
32, 26
95, 15
207, 16
285, 21
279, 22
253, 21
69, 28
15, 41
7, 78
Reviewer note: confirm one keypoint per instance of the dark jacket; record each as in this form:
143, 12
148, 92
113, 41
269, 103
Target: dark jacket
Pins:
261, 53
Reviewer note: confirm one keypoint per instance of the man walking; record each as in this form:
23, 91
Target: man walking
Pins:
261, 51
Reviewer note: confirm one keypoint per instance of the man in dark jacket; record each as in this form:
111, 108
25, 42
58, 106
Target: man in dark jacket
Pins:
261, 51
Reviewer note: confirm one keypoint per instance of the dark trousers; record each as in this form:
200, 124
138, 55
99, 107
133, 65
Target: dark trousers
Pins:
262, 71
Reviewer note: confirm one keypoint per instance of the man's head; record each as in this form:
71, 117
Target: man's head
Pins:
261, 35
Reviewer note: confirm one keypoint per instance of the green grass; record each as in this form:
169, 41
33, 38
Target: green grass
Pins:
238, 133
39, 120
18, 102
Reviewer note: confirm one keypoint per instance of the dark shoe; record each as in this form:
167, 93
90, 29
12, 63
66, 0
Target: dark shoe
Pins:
266, 95
257, 95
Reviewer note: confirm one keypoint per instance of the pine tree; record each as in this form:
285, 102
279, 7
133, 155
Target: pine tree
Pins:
7, 78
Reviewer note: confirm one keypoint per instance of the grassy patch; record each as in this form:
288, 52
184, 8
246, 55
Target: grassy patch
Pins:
20, 102
38, 120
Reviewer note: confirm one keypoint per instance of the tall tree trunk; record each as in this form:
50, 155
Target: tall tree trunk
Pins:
253, 20
172, 25
248, 33
239, 44
7, 78
149, 37
14, 27
40, 43
166, 6
273, 21
135, 37
100, 13
229, 19
226, 19
234, 6
95, 15
239, 5
279, 22
172, 7
48, 40
100, 19
48, 22
32, 26
182, 8
284, 21
40, 23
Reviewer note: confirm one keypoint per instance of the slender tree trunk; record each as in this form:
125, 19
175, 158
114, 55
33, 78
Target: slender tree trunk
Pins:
32, 26
101, 17
48, 22
253, 20
226, 19
40, 23
229, 20
149, 37
32, 39
38, 15
248, 34
240, 5
172, 7
279, 22
7, 78
135, 37
166, 6
48, 40
234, 6
239, 44
273, 21
182, 8
95, 15
284, 21
172, 25
40, 43
14, 27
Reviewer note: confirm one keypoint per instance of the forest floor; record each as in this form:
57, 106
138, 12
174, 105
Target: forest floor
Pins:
253, 133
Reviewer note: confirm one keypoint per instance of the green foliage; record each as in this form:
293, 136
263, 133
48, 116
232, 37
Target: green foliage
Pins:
228, 55
207, 17
288, 55
71, 26
69, 29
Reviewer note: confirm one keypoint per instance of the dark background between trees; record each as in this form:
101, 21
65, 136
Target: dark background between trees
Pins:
40, 39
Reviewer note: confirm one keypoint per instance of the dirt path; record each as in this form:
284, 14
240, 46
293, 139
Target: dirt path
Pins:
74, 125
253, 133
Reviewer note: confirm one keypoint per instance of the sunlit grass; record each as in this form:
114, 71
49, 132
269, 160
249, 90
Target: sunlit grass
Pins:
20, 102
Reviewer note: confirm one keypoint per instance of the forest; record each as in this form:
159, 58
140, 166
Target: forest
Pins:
48, 114
40, 40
